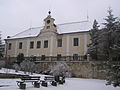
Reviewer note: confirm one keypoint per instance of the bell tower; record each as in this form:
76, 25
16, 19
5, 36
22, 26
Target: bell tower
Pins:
49, 24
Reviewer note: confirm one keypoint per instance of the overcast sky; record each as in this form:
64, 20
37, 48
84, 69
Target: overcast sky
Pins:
19, 15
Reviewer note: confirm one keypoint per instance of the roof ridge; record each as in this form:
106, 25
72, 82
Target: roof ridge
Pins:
21, 32
26, 30
73, 22
36, 27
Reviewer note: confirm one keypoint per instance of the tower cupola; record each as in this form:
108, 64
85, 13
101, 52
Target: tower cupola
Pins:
49, 24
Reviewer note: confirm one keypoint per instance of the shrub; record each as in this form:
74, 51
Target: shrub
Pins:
20, 58
61, 69
2, 64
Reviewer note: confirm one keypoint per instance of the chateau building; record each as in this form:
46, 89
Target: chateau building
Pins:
66, 39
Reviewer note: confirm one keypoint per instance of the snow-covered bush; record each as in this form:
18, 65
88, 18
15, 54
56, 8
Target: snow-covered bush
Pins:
37, 68
27, 66
2, 64
16, 67
60, 69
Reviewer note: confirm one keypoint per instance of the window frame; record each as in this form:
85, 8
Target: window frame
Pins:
20, 45
45, 43
31, 44
76, 41
59, 43
9, 46
47, 27
75, 56
38, 44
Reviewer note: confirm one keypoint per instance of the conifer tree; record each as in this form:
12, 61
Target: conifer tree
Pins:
112, 48
108, 37
115, 49
1, 55
93, 46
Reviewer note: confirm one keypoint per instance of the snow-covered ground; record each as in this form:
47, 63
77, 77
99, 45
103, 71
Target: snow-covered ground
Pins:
10, 71
71, 84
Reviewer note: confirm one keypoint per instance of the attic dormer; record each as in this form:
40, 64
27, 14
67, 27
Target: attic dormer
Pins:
49, 24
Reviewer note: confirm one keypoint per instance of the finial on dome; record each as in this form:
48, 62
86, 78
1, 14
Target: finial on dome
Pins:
49, 12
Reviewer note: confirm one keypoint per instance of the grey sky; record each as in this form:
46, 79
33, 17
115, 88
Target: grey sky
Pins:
19, 15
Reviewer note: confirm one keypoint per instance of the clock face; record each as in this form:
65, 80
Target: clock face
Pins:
48, 21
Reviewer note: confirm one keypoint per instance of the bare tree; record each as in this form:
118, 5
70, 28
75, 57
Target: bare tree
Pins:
60, 69
2, 64
27, 66
16, 67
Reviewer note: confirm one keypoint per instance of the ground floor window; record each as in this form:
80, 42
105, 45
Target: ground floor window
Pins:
75, 56
59, 56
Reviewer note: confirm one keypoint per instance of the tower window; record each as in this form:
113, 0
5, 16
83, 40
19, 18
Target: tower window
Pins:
48, 21
31, 45
48, 27
20, 45
75, 42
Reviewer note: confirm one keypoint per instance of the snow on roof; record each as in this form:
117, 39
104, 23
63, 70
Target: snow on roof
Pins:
31, 32
61, 29
74, 27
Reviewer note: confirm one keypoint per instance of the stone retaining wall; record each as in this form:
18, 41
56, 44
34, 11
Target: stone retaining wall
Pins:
82, 69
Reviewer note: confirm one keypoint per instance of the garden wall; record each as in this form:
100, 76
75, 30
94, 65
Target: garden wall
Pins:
82, 69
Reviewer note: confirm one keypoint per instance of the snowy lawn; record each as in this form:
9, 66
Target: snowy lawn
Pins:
71, 84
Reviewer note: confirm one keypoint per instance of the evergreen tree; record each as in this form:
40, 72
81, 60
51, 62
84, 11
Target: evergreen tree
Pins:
105, 45
113, 74
114, 70
108, 34
0, 38
111, 48
20, 58
93, 46
1, 55
115, 49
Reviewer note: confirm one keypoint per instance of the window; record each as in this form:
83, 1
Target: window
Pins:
59, 43
20, 45
38, 44
59, 56
75, 56
48, 21
48, 27
46, 44
31, 45
9, 46
76, 42
43, 57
